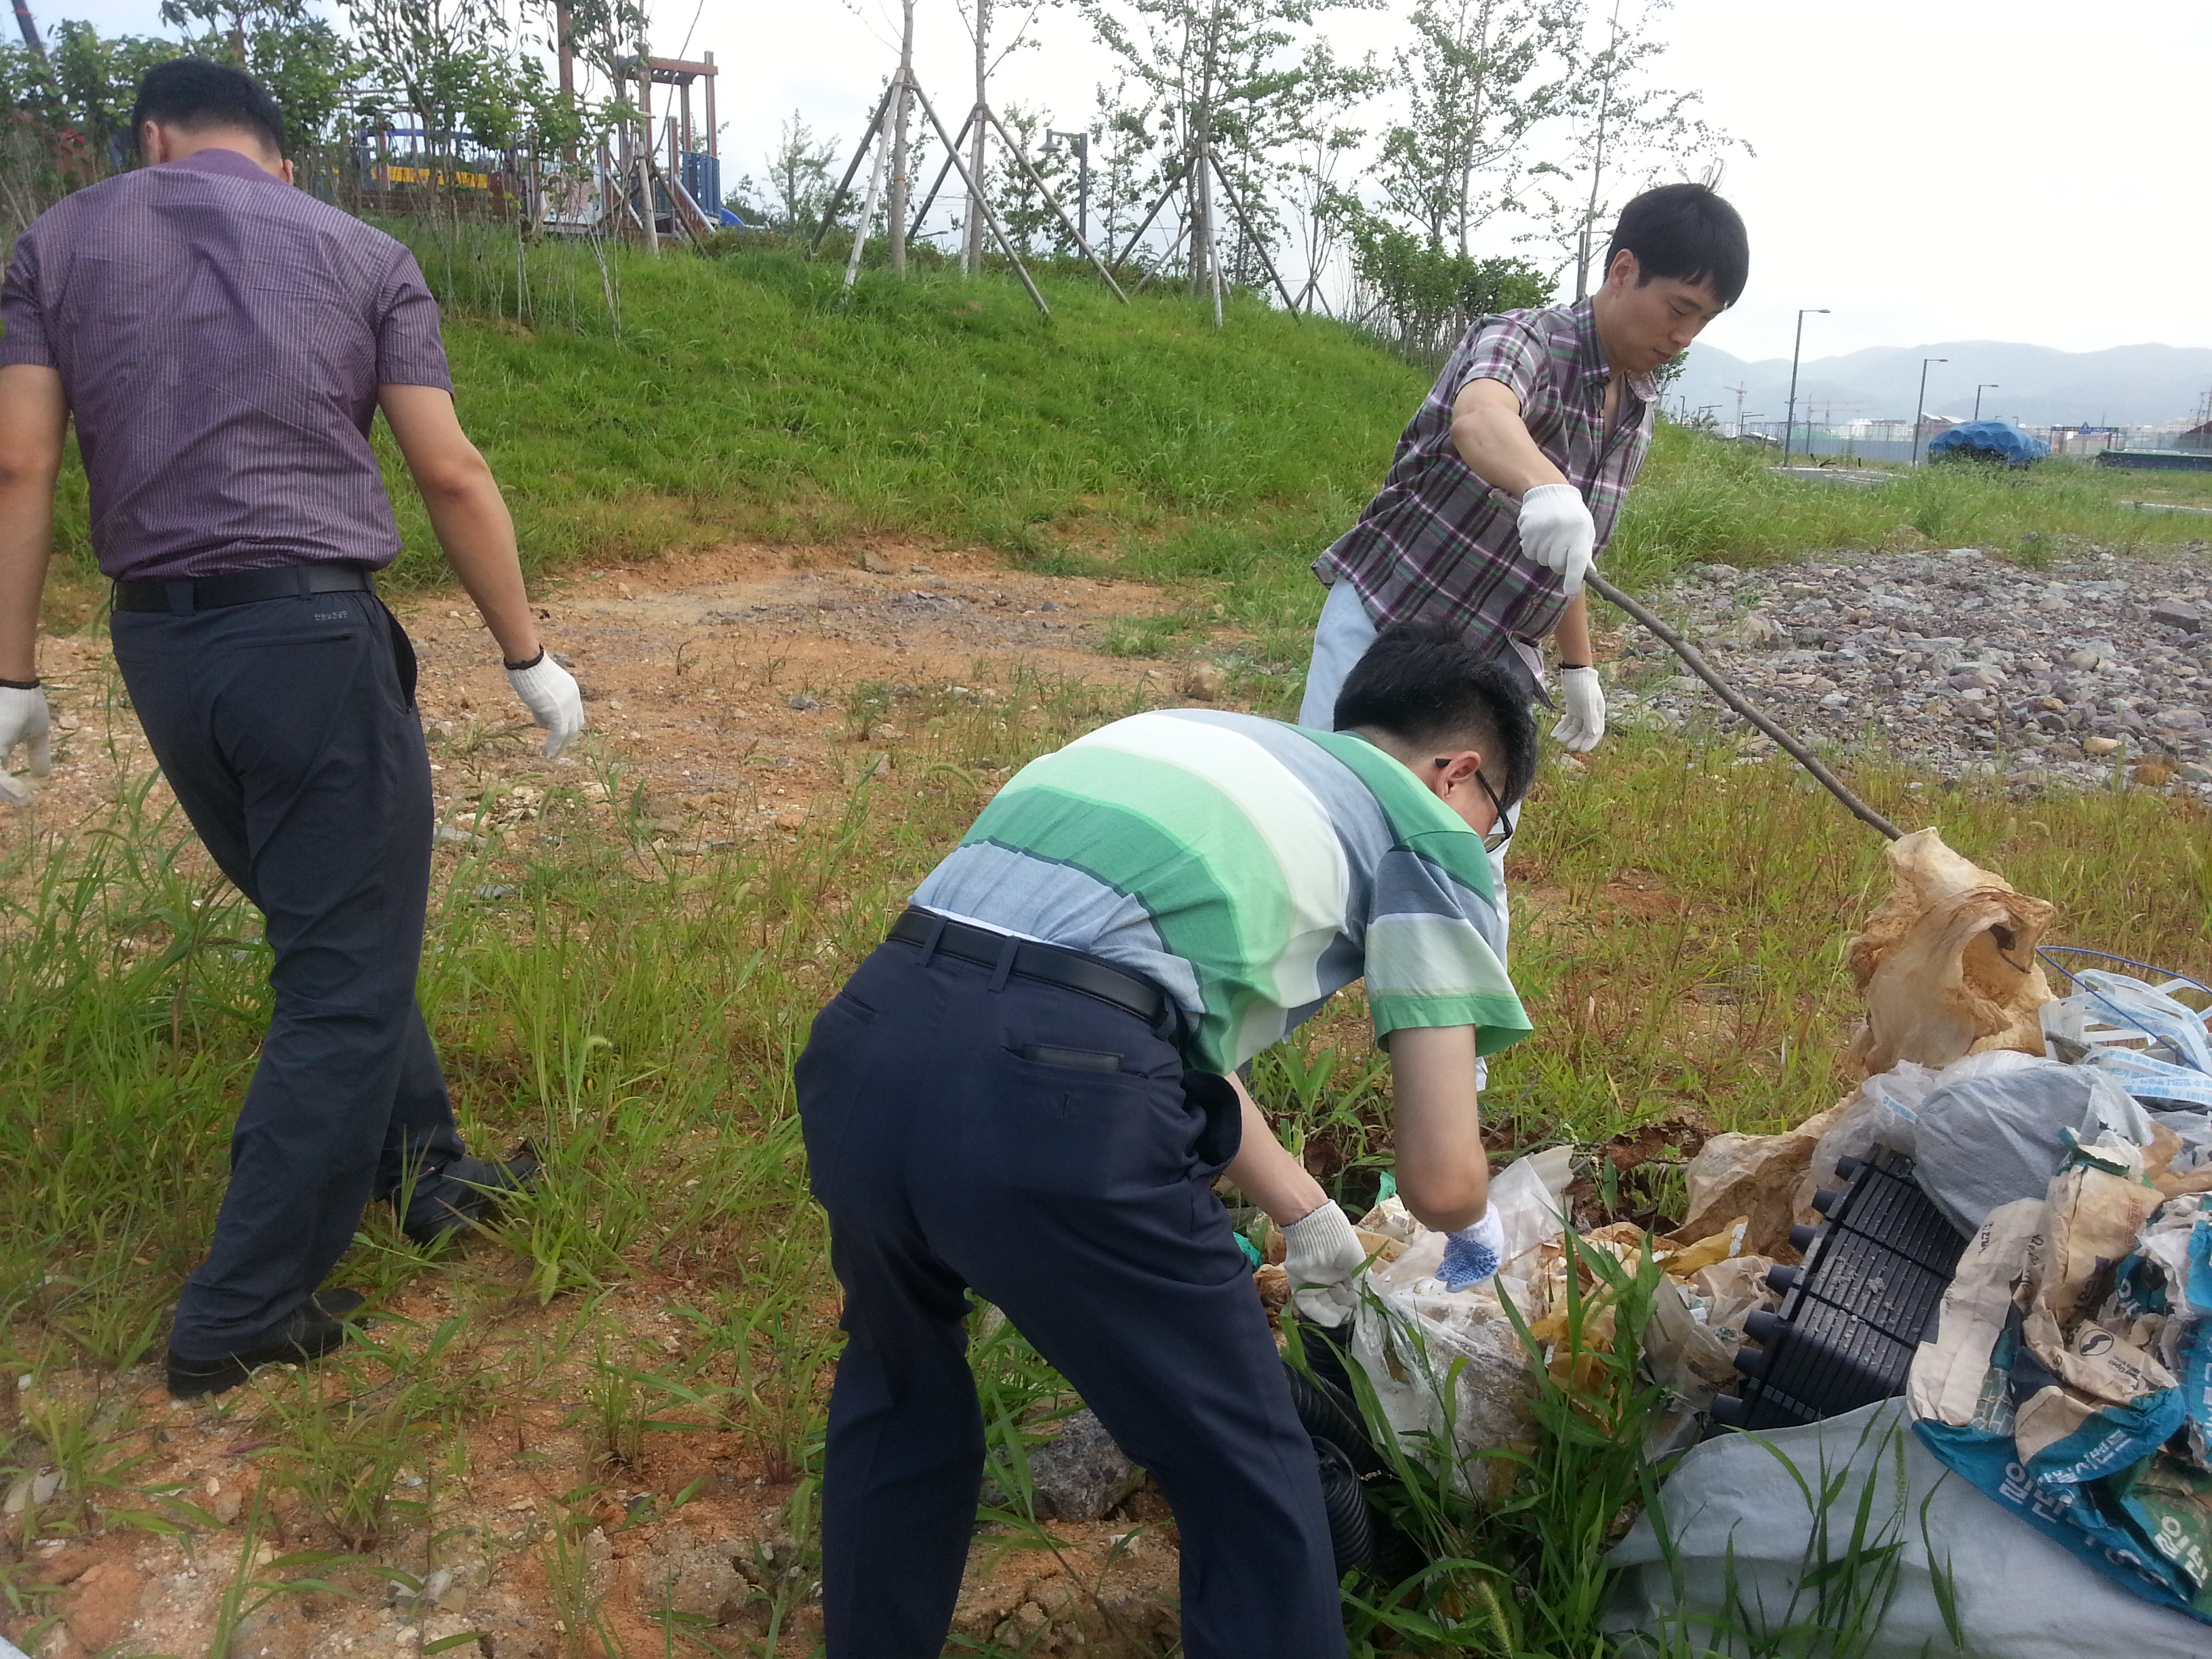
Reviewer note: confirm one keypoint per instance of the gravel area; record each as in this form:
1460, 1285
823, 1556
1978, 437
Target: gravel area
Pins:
1957, 661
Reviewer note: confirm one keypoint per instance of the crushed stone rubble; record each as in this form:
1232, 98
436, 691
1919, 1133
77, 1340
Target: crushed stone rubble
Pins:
1956, 660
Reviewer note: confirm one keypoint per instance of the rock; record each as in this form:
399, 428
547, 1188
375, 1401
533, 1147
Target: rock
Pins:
103, 1604
1762, 633
2174, 613
599, 1552
2094, 746
2193, 772
413, 1603
874, 562
694, 1580
1080, 1474
1205, 680
803, 702
2179, 720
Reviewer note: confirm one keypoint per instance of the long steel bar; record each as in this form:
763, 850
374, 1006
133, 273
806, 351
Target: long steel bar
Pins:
1705, 670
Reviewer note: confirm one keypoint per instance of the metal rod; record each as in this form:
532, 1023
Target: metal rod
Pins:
990, 213
1051, 201
845, 184
1259, 247
914, 225
1130, 247
1796, 751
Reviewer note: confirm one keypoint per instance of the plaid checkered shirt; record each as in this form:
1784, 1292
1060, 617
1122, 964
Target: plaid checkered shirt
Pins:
1436, 541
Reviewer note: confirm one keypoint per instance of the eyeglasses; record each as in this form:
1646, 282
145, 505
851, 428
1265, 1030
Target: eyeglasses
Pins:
1501, 830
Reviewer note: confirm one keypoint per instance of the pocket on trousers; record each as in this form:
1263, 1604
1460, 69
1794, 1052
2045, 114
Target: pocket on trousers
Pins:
1083, 1132
403, 663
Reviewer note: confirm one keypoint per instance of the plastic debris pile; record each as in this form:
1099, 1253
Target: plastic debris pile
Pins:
2008, 1224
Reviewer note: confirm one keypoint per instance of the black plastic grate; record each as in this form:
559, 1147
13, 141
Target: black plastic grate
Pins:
1853, 1314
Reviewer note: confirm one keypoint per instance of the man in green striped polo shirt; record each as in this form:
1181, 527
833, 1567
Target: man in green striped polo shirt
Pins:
1029, 1090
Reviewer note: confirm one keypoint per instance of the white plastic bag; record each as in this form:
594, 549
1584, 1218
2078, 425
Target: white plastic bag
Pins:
1409, 1331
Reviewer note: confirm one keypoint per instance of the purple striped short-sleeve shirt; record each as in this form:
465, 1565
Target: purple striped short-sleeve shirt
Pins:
1437, 541
220, 336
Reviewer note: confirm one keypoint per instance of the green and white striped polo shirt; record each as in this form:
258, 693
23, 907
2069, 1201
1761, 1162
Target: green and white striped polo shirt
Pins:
1249, 868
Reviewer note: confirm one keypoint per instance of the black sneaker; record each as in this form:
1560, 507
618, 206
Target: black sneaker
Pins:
317, 1325
469, 1192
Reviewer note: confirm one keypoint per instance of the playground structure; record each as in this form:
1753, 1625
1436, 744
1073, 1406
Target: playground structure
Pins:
656, 177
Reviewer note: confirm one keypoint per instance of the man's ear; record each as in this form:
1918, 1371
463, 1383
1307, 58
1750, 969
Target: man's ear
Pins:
1623, 268
1457, 772
152, 143
287, 173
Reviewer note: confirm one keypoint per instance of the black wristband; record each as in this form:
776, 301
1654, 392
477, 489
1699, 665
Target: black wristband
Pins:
1567, 665
517, 667
19, 685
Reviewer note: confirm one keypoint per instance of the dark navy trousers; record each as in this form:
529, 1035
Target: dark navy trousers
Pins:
1079, 1201
287, 730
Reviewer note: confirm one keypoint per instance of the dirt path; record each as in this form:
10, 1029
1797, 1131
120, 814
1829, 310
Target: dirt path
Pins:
721, 678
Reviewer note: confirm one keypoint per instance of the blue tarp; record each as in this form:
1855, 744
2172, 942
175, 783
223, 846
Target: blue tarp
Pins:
2001, 439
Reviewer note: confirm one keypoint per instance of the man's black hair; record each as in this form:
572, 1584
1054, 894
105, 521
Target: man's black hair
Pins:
1423, 683
1689, 234
194, 95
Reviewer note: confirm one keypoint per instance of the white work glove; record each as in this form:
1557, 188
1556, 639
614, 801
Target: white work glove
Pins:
555, 701
1321, 1253
1582, 722
1558, 533
23, 719
1472, 1254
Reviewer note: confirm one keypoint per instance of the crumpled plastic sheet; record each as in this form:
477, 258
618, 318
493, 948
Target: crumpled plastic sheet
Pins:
1947, 966
1409, 1331
2175, 1063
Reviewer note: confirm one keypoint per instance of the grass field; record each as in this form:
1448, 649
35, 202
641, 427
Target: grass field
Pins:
662, 1304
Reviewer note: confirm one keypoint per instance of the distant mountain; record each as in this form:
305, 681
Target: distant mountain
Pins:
2124, 386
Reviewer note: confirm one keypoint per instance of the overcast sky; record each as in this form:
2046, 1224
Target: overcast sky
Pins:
1926, 169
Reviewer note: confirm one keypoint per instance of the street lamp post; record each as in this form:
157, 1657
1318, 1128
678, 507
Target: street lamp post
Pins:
1080, 143
1920, 407
1986, 386
1789, 425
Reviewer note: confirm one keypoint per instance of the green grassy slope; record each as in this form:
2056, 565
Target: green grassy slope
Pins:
754, 395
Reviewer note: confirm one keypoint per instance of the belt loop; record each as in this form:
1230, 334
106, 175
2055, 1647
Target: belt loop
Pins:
937, 926
180, 598
1007, 954
304, 575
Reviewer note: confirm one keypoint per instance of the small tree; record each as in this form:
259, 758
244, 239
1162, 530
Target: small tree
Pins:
304, 62
1628, 134
1480, 76
1214, 75
95, 82
798, 186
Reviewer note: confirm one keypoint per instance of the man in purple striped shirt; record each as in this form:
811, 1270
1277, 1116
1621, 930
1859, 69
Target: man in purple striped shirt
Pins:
223, 342
1509, 477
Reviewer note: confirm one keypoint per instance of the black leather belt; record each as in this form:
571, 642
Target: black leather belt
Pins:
1052, 963
291, 581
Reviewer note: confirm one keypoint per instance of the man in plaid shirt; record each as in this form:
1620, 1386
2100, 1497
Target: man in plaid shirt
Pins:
1508, 478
